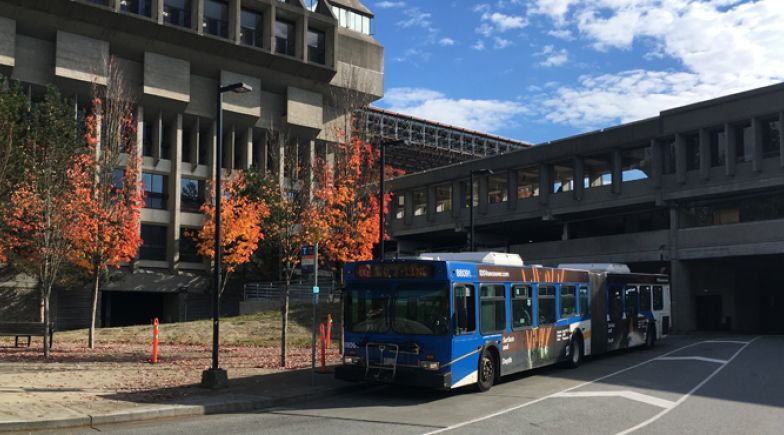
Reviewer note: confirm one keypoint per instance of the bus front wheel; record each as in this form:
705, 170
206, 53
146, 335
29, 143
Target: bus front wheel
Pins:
576, 352
486, 372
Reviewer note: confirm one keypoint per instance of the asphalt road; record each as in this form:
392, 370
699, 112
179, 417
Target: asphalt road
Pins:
697, 385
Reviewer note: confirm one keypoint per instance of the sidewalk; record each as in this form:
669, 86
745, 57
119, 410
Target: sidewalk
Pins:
47, 395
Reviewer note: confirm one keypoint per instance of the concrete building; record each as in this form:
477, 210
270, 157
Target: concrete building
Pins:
696, 192
308, 63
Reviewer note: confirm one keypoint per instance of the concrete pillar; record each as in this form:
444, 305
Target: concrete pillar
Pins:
197, 14
431, 203
483, 203
682, 298
157, 10
680, 158
157, 136
756, 156
579, 178
781, 139
269, 27
311, 163
234, 21
511, 203
246, 148
617, 171
302, 38
261, 156
545, 183
705, 157
173, 249
565, 231
212, 142
657, 162
280, 158
457, 199
732, 145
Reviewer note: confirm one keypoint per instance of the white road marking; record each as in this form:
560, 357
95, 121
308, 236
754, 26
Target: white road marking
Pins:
626, 394
687, 395
693, 358
532, 402
730, 341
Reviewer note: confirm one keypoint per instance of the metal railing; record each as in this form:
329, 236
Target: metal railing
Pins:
298, 290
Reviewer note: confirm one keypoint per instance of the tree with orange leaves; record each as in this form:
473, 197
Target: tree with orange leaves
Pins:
349, 206
46, 205
107, 232
241, 219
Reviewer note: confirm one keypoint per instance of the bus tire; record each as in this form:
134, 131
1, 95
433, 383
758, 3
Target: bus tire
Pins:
576, 352
650, 336
486, 373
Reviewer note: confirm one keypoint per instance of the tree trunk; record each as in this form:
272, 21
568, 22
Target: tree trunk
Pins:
284, 316
94, 308
47, 292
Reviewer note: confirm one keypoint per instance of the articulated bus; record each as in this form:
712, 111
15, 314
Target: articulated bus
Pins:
452, 320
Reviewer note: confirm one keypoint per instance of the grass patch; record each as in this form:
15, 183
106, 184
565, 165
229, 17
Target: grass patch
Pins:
262, 329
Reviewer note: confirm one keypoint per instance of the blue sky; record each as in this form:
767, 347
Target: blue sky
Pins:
539, 70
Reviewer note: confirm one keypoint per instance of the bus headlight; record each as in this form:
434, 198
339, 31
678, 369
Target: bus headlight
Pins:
351, 360
428, 365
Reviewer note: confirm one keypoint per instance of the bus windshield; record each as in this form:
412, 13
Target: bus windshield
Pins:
418, 309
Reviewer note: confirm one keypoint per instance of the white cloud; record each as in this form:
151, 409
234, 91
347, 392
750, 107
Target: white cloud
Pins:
721, 46
481, 115
389, 4
478, 45
499, 43
497, 22
556, 59
564, 34
416, 18
413, 54
446, 42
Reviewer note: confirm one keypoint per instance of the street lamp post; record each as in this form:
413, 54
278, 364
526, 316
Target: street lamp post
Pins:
216, 377
472, 244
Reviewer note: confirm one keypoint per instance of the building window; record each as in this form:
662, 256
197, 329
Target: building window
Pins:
718, 148
139, 7
147, 139
167, 138
771, 131
285, 42
191, 194
216, 18
400, 207
467, 193
464, 306
187, 146
497, 188
522, 307
527, 183
443, 198
317, 50
631, 302
635, 164
155, 194
420, 202
658, 298
615, 297
177, 12
492, 308
563, 177
251, 28
352, 20
692, 143
189, 251
206, 141
153, 243
568, 301
645, 298
100, 2
744, 143
546, 305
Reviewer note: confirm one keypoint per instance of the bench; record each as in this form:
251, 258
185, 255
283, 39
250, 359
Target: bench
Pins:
26, 329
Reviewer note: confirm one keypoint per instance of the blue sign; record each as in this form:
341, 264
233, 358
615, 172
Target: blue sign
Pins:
315, 290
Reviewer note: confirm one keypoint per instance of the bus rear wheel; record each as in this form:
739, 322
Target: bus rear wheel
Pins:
650, 336
486, 371
576, 352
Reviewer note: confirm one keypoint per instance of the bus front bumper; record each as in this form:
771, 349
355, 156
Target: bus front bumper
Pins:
403, 376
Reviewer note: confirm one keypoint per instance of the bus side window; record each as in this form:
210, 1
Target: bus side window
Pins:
631, 301
522, 306
546, 305
464, 309
583, 300
658, 298
615, 300
568, 301
492, 308
645, 298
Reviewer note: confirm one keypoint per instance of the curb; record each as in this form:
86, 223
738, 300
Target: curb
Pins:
167, 411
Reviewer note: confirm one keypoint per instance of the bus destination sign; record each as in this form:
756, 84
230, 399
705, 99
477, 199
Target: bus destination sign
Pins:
395, 271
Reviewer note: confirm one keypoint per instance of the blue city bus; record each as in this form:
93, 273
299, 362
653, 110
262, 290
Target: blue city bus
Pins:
452, 320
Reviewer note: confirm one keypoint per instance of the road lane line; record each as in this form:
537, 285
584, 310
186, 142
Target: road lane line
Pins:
730, 341
687, 395
543, 398
693, 358
626, 394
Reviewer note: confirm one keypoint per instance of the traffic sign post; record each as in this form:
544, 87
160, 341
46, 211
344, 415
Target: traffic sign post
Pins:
315, 311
